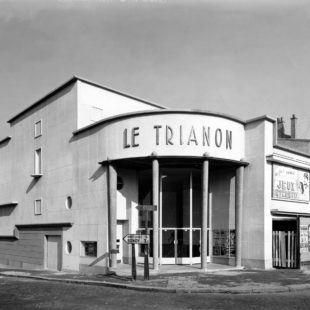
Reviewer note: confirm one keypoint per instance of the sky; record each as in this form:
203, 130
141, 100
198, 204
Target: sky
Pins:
245, 58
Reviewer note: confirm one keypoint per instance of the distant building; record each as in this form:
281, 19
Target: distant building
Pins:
80, 160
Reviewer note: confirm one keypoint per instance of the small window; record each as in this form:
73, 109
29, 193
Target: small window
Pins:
68, 247
38, 207
38, 162
68, 202
38, 129
89, 248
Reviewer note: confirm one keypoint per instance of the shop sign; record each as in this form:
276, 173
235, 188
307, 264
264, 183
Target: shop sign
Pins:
170, 135
290, 184
173, 134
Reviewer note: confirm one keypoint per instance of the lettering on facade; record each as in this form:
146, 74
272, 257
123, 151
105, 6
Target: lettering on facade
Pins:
167, 135
134, 133
290, 183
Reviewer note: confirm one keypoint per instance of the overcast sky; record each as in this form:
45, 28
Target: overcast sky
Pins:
242, 57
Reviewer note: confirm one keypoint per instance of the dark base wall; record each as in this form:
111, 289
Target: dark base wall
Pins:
28, 252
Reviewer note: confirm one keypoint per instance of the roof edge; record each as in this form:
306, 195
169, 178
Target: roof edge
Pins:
261, 118
69, 82
288, 149
119, 93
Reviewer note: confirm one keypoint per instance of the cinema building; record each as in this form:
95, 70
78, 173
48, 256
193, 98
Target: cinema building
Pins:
80, 160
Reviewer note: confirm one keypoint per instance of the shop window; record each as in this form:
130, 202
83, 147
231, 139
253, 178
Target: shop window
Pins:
89, 248
68, 202
38, 162
68, 247
304, 235
38, 207
224, 242
38, 129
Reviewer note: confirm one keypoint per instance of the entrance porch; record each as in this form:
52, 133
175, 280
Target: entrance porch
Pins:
198, 214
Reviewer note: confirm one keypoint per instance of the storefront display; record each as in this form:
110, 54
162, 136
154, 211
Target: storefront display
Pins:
224, 243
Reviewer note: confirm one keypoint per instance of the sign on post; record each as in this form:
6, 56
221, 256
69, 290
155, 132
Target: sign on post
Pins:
146, 209
137, 239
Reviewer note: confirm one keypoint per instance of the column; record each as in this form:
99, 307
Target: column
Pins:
112, 183
239, 211
205, 202
155, 193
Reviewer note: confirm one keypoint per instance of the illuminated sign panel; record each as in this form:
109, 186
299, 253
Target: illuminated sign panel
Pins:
290, 184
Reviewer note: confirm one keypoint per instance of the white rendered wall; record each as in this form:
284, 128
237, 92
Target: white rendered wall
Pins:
127, 201
95, 103
268, 147
253, 229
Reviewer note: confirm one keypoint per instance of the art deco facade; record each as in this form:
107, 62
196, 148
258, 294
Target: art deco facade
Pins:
79, 161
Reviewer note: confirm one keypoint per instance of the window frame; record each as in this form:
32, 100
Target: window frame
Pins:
38, 162
36, 134
35, 206
83, 249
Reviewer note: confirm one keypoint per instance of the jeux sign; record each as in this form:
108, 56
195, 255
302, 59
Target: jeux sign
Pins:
290, 184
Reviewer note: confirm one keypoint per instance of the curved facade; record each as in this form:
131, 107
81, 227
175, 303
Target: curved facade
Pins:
172, 133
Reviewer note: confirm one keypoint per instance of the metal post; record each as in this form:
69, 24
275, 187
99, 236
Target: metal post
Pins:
146, 250
155, 192
112, 179
205, 202
133, 262
239, 209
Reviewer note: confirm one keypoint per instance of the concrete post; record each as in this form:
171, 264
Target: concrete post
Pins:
112, 183
155, 194
239, 211
205, 202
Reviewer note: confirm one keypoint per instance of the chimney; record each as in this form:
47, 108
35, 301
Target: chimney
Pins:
280, 126
293, 126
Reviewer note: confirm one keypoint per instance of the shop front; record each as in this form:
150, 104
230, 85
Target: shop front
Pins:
290, 228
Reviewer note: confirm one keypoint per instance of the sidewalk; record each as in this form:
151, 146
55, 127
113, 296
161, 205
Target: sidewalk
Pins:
218, 281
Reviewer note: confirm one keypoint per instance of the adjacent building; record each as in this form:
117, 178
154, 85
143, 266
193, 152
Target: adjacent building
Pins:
80, 160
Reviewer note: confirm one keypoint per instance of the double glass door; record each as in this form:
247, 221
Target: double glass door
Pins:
180, 216
180, 246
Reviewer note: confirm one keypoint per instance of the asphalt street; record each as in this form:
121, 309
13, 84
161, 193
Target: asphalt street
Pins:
18, 293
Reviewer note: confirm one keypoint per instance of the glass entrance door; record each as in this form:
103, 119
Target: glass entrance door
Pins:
176, 246
168, 245
180, 216
183, 246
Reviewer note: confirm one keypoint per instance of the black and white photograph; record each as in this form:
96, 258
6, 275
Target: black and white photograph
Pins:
154, 154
